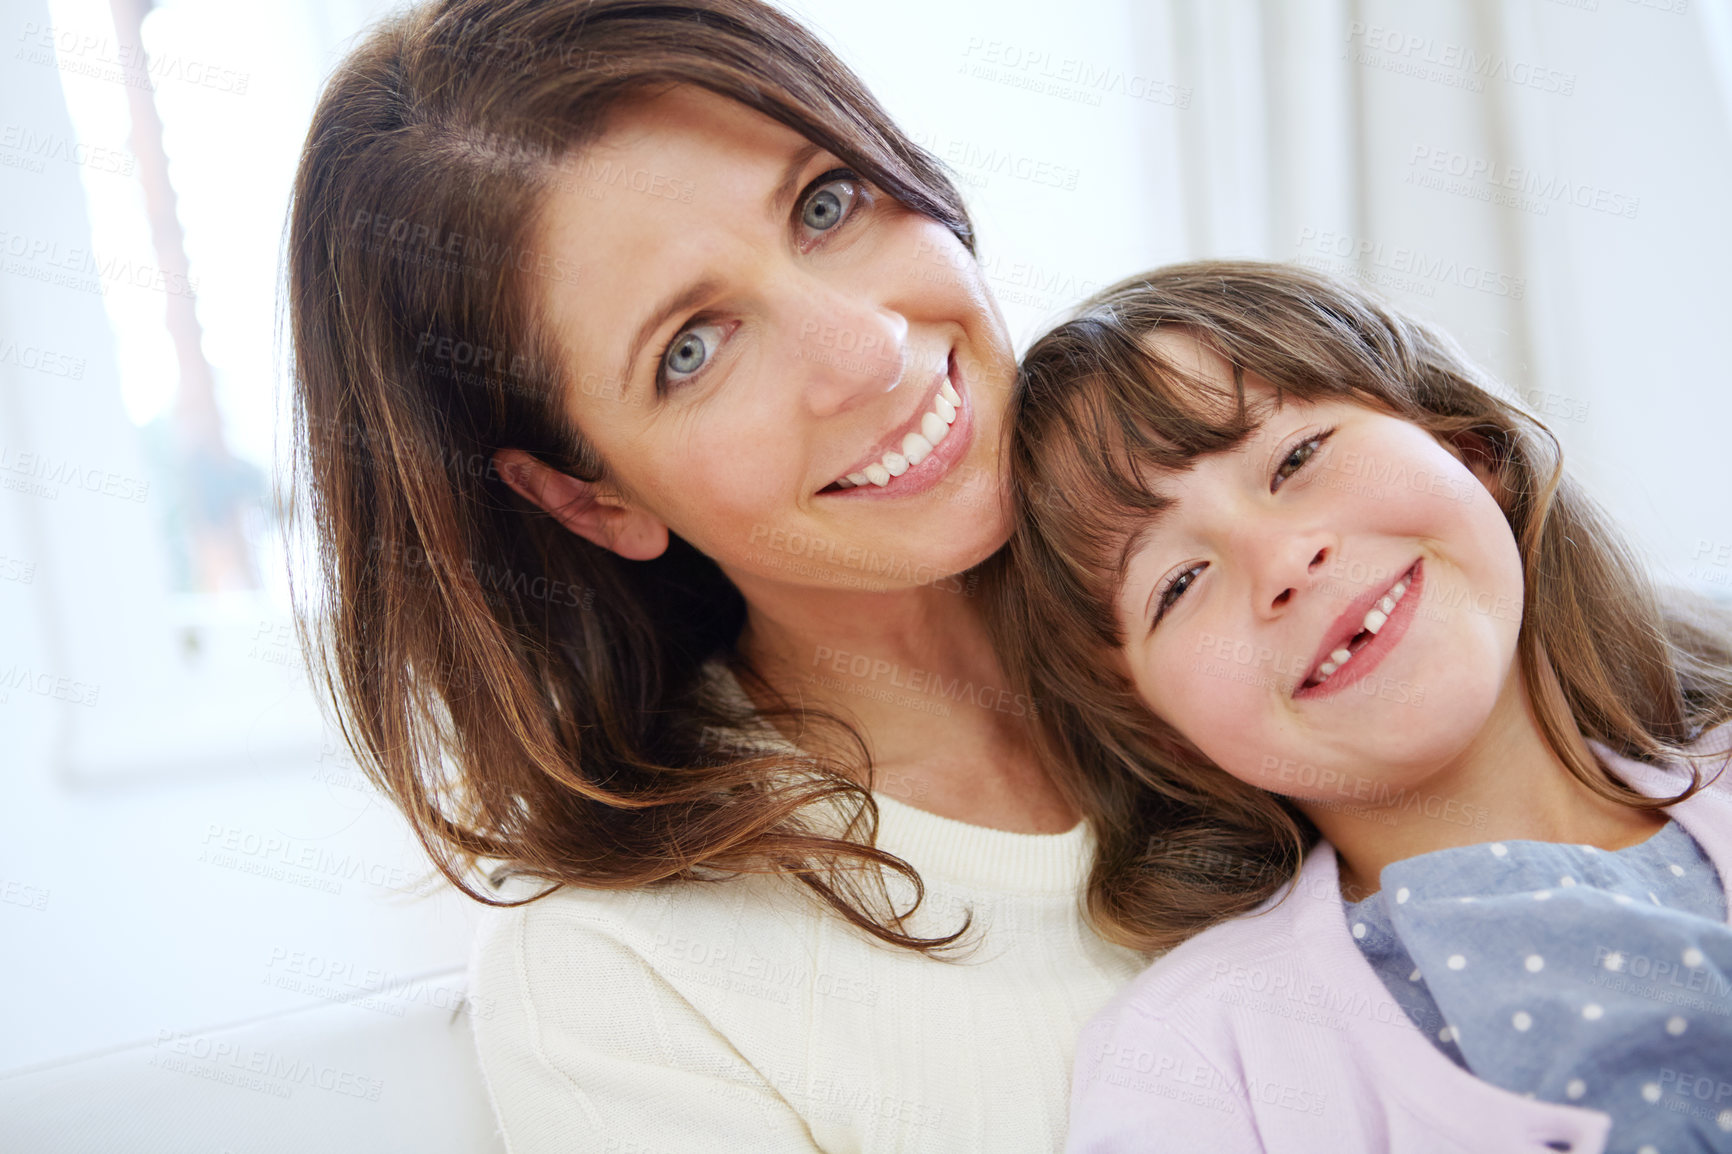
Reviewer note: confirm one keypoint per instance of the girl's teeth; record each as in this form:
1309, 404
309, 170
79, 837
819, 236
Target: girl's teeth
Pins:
1375, 619
916, 447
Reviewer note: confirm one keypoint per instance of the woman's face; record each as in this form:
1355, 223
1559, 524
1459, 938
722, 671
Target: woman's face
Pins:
1335, 601
750, 324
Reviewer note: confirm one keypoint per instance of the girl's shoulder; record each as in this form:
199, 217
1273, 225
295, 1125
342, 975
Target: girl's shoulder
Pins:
1714, 750
1282, 947
1710, 758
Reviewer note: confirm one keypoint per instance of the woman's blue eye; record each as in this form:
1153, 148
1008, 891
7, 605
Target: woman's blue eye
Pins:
691, 351
826, 207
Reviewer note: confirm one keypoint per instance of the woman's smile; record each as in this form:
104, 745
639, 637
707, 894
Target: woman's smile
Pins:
920, 451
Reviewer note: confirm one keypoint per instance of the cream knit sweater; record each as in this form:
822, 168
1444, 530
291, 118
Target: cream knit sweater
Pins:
739, 1016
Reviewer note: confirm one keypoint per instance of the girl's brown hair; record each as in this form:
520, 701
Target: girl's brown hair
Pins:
529, 700
1183, 844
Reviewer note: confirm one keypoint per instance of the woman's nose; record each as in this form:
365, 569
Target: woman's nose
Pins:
843, 349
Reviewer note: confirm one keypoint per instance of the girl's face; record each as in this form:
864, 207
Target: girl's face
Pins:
1335, 601
750, 324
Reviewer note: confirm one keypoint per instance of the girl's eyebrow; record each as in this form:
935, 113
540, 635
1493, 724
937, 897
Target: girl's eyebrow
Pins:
1125, 560
1151, 522
1258, 413
1168, 503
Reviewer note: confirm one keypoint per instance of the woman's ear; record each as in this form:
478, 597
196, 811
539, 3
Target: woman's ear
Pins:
589, 509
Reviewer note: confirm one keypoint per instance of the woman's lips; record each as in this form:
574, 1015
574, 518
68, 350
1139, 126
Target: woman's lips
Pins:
931, 470
1371, 654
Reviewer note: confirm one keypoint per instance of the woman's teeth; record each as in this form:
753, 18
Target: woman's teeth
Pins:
1375, 617
916, 447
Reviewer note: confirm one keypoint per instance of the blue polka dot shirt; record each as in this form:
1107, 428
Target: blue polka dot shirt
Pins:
1571, 974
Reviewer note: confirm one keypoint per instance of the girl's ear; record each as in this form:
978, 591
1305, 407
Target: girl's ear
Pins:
1476, 452
588, 508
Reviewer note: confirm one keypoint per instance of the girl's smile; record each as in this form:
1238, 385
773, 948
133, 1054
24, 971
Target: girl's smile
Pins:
1368, 629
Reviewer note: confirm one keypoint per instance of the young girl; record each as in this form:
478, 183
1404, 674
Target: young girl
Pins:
1441, 772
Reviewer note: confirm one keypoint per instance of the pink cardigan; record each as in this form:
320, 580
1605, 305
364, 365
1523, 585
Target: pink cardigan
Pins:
1273, 1033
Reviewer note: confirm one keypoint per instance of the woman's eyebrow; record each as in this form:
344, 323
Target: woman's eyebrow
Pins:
780, 201
679, 302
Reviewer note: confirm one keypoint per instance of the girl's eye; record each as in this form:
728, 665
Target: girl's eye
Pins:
829, 202
1295, 460
1174, 590
690, 351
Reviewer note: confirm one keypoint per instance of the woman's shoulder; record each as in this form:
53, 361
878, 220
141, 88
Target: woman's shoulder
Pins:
650, 922
580, 963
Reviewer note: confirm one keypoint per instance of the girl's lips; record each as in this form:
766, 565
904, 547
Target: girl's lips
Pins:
930, 471
1370, 655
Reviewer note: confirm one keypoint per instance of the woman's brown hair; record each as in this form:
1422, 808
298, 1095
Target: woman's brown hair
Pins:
534, 704
1183, 844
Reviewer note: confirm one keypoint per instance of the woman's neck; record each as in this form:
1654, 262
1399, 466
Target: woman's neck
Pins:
1508, 785
915, 672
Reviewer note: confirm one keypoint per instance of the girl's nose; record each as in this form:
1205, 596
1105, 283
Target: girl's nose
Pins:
1292, 566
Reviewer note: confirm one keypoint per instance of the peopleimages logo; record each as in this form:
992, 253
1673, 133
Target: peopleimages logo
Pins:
864, 668
85, 53
439, 248
86, 270
1355, 256
40, 147
1066, 77
1428, 58
1482, 178
1379, 794
976, 163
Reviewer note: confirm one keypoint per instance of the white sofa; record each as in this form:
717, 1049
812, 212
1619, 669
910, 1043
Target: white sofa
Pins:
392, 1073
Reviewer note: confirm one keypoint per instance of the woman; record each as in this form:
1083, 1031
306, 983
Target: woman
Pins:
650, 403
